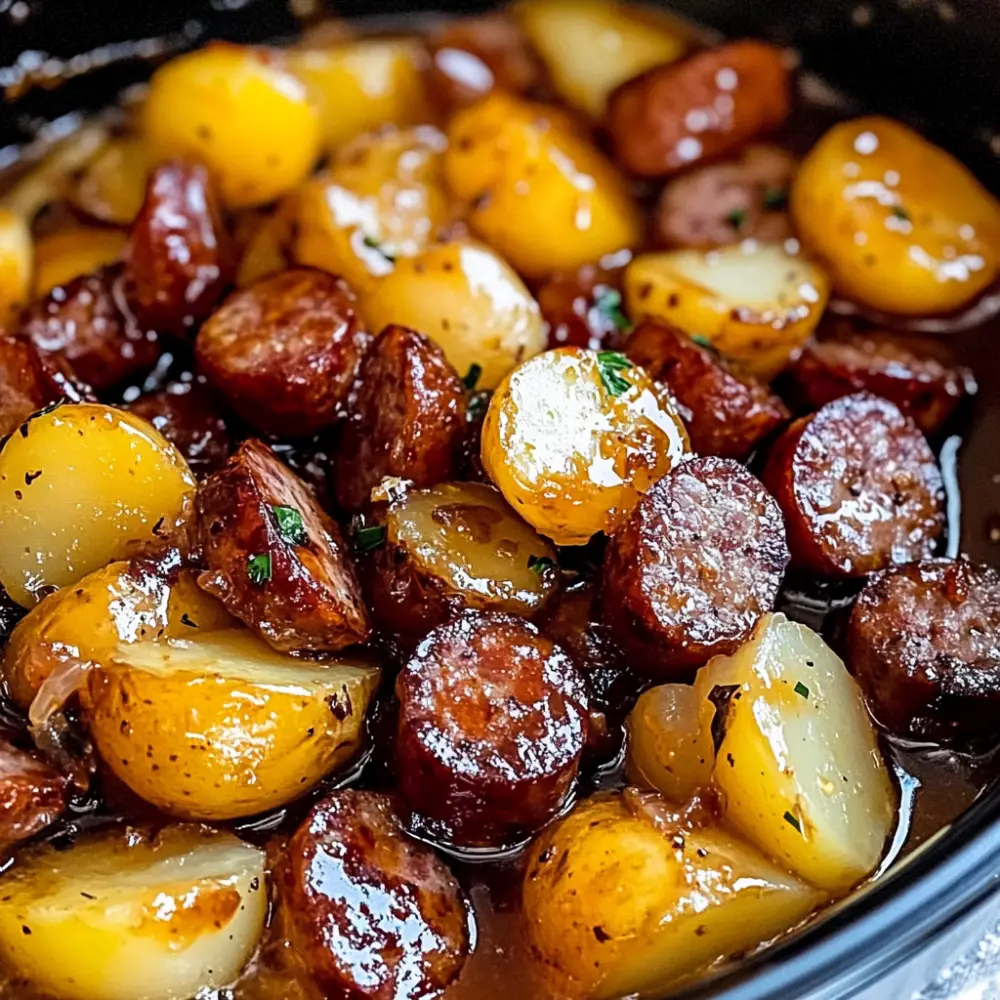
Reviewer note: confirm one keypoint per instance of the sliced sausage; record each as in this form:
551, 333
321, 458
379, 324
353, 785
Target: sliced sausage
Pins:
310, 459
407, 419
859, 487
727, 416
83, 323
722, 203
924, 643
584, 309
32, 796
492, 724
705, 106
284, 351
30, 381
177, 260
274, 558
690, 573
185, 413
470, 461
924, 388
371, 913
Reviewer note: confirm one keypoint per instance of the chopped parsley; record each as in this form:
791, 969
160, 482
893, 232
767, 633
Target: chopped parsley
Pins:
369, 538
609, 304
793, 821
801, 689
775, 199
539, 564
702, 341
259, 569
609, 364
472, 376
900, 213
737, 218
373, 244
290, 525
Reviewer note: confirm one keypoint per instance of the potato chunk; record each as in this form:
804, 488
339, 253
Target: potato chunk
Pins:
130, 915
574, 438
754, 303
799, 765
622, 899
899, 224
16, 264
112, 187
220, 726
81, 485
69, 253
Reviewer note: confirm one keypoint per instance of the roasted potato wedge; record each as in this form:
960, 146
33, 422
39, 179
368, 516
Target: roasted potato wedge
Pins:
219, 726
64, 255
112, 186
754, 303
130, 915
535, 188
898, 223
16, 265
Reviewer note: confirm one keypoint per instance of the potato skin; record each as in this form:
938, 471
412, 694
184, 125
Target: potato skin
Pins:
406, 419
284, 351
665, 119
32, 796
305, 595
30, 381
372, 913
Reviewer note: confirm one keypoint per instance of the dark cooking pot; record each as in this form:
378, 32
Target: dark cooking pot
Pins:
930, 62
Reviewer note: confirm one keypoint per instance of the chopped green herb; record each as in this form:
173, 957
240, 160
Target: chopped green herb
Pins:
801, 689
609, 364
775, 198
539, 564
737, 218
793, 821
259, 568
900, 213
369, 538
702, 341
373, 244
472, 376
290, 525
609, 304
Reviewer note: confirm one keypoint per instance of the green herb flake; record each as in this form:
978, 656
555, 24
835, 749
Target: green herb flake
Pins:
793, 821
775, 199
737, 218
801, 689
472, 376
259, 569
609, 304
539, 564
373, 244
290, 525
609, 364
900, 213
702, 341
369, 538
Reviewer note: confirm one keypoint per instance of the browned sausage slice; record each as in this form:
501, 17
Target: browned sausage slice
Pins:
407, 419
859, 487
705, 106
924, 643
492, 724
697, 563
372, 913
274, 558
284, 351
177, 259
32, 796
584, 309
728, 416
30, 381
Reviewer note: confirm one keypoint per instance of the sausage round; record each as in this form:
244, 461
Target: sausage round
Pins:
284, 351
726, 415
583, 309
32, 796
492, 724
922, 641
177, 259
30, 381
859, 487
690, 573
372, 913
274, 558
406, 420
705, 106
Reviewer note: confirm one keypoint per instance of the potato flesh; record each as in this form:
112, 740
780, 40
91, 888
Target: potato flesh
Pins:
70, 253
754, 303
221, 726
82, 485
799, 766
16, 265
118, 917
570, 457
618, 903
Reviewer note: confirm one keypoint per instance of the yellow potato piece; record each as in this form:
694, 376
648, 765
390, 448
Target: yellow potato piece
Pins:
574, 438
62, 256
618, 901
754, 303
360, 85
81, 485
799, 766
899, 223
237, 110
536, 190
466, 299
589, 47
124, 915
112, 188
220, 726
16, 265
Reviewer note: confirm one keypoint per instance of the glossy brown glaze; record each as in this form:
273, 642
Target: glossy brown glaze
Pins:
583, 309
923, 643
859, 487
726, 415
702, 107
492, 724
274, 558
371, 913
28, 381
177, 259
470, 462
32, 796
284, 352
407, 419
689, 574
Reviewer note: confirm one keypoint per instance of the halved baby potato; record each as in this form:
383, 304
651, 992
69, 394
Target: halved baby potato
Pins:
66, 254
83, 484
220, 725
16, 265
112, 187
754, 303
799, 763
130, 915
